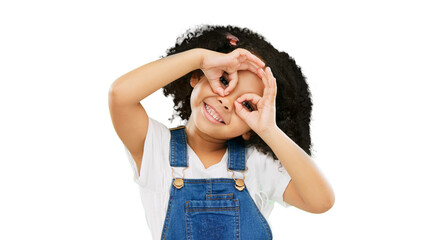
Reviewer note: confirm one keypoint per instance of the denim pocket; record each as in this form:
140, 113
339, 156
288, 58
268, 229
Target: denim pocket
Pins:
224, 196
213, 219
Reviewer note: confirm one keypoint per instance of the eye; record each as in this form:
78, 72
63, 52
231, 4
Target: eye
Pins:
248, 106
224, 81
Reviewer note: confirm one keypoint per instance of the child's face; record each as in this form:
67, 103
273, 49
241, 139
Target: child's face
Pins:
233, 126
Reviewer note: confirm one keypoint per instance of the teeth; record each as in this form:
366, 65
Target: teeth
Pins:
211, 112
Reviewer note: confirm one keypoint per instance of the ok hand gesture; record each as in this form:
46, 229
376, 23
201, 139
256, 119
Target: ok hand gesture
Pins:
214, 64
264, 118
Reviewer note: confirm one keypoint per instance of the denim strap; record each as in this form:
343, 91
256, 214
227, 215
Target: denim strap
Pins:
178, 147
237, 152
178, 150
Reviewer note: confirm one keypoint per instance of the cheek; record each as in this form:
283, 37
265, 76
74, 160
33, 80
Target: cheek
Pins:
239, 124
193, 97
199, 93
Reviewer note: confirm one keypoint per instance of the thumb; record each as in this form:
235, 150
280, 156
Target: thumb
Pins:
241, 111
233, 79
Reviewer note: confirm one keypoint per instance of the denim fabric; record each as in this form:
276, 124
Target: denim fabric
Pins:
211, 208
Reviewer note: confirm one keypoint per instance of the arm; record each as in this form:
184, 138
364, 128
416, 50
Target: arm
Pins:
141, 82
129, 117
308, 188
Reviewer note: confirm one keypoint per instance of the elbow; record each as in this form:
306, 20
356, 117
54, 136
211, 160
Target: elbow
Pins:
322, 208
113, 89
116, 96
112, 95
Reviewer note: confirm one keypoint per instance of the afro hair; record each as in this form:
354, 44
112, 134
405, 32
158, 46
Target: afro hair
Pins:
293, 99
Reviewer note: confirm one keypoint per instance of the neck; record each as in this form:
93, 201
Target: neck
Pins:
201, 142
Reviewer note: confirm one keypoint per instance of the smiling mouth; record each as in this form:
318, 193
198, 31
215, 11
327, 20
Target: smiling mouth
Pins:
212, 114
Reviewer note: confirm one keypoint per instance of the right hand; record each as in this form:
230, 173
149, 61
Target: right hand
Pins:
214, 64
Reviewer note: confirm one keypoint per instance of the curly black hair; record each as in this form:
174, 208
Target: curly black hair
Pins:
293, 99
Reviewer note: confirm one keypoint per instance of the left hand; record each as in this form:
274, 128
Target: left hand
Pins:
264, 117
214, 64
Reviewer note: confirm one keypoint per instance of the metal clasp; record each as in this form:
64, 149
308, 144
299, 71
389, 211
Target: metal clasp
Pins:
239, 183
178, 182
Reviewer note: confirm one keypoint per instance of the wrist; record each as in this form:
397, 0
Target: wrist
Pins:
269, 132
200, 53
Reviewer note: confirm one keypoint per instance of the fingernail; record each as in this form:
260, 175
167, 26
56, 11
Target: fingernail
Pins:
226, 93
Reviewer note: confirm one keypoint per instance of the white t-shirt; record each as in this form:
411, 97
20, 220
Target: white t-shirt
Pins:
265, 181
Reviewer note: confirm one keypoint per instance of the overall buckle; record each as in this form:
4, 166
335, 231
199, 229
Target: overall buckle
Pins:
239, 183
178, 182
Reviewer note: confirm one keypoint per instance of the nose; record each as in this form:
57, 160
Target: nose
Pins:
227, 102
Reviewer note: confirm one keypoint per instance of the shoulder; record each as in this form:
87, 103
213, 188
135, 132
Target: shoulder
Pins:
253, 152
157, 140
267, 169
157, 128
254, 157
155, 163
261, 160
270, 177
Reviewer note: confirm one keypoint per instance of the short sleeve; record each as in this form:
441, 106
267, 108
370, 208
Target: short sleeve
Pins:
274, 179
153, 163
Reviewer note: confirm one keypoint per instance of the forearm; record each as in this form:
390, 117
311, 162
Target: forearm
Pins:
308, 181
141, 82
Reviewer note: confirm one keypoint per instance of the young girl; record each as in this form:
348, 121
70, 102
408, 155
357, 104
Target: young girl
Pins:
246, 143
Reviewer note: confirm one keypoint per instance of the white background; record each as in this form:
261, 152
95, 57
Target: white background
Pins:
376, 71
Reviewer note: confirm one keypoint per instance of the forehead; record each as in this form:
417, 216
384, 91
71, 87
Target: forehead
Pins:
249, 82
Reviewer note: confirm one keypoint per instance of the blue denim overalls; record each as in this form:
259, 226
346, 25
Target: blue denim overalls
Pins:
211, 208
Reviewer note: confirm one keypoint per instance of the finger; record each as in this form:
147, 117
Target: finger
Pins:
267, 91
270, 89
252, 97
264, 78
273, 82
241, 111
217, 88
256, 60
249, 66
244, 66
244, 60
233, 79
252, 57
